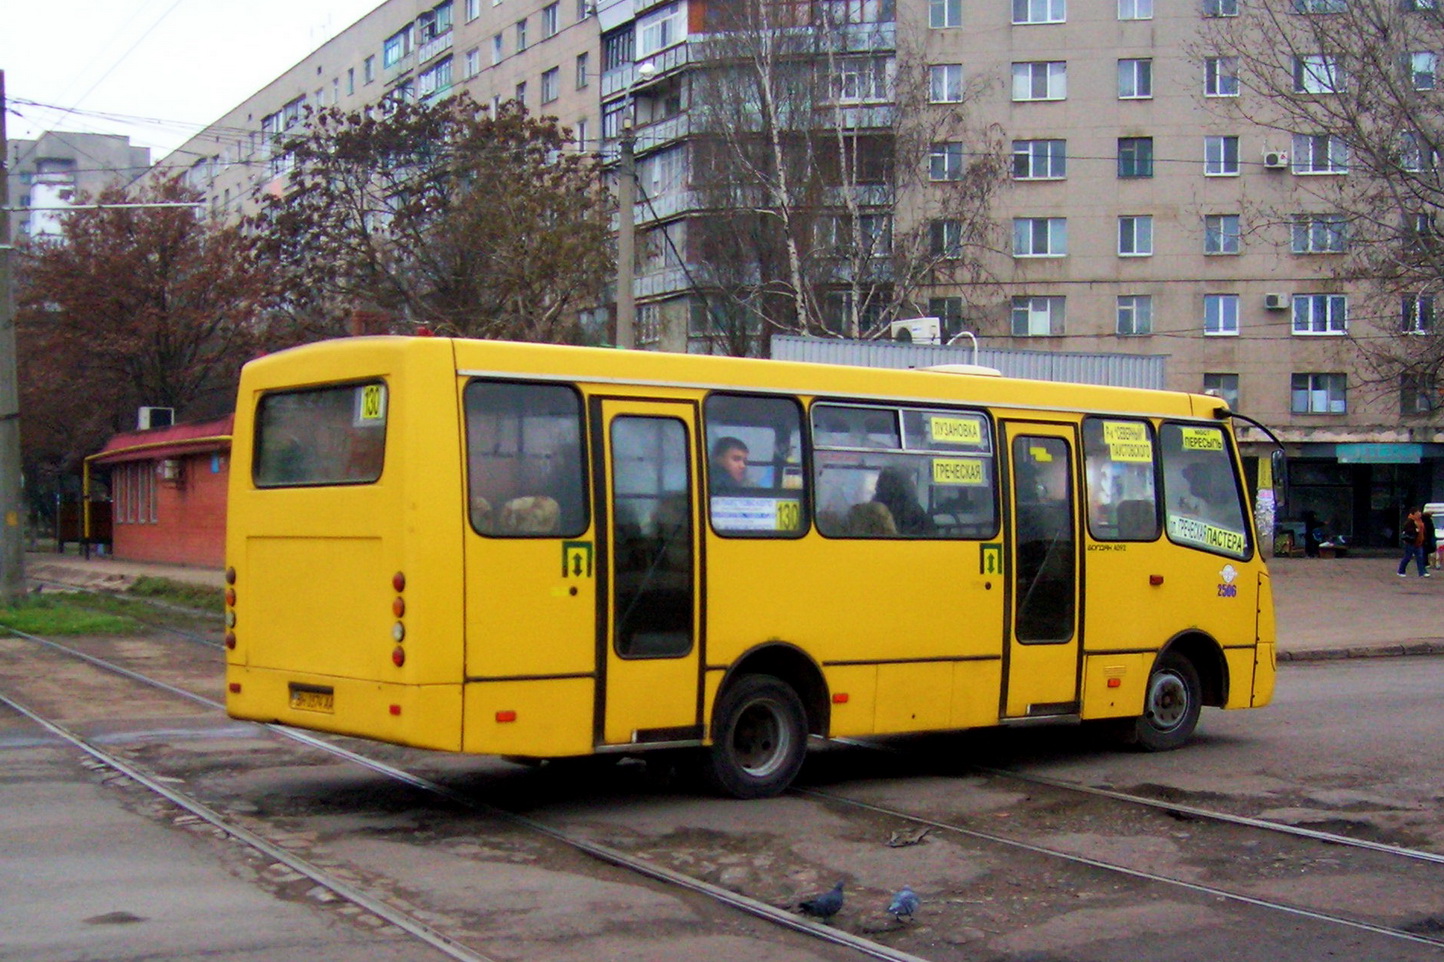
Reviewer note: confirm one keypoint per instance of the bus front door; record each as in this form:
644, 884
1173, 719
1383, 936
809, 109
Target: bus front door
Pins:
1042, 658
651, 649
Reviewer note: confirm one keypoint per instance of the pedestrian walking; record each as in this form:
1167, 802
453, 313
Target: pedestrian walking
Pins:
1411, 539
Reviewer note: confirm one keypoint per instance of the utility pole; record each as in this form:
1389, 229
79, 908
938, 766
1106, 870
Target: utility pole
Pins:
12, 546
626, 236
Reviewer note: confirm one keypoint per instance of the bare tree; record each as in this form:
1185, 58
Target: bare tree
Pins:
837, 187
1350, 86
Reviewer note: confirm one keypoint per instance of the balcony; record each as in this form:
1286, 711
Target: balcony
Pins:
431, 48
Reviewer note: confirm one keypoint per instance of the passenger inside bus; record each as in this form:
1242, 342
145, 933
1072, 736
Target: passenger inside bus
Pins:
729, 465
897, 490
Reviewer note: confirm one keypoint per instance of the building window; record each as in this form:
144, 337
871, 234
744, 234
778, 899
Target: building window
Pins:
582, 134
1318, 234
1220, 8
551, 81
1135, 315
1220, 156
945, 13
1135, 9
1038, 316
1414, 6
435, 79
947, 238
1220, 314
350, 81
1417, 316
1135, 156
1040, 159
1221, 234
473, 62
520, 97
948, 310
1135, 235
1318, 73
1224, 386
1040, 80
945, 162
661, 29
1321, 314
861, 80
368, 69
520, 36
1423, 67
945, 83
1319, 154
1418, 394
1040, 236
1415, 154
584, 10
1318, 394
1220, 76
1320, 6
1135, 79
583, 66
498, 48
473, 10
1039, 11
551, 19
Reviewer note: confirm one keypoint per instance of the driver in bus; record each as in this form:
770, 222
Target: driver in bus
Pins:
729, 465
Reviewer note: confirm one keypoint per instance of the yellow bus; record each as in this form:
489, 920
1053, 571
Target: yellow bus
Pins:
547, 552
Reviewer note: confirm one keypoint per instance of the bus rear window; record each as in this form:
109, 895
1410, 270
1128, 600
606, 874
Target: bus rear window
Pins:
525, 473
321, 436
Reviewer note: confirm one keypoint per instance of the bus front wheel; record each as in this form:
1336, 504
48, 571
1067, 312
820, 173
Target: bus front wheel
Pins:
1170, 705
759, 738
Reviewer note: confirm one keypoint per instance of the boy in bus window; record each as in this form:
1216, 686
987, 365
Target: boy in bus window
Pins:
729, 465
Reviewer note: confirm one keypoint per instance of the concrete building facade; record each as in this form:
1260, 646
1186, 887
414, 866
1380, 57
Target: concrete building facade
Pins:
1146, 214
48, 173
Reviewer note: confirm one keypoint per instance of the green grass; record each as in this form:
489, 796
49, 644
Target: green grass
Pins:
183, 593
59, 615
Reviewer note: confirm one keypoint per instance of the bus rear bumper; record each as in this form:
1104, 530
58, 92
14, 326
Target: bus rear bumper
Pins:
418, 716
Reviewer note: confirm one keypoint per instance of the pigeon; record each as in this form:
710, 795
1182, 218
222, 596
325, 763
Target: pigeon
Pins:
904, 903
824, 906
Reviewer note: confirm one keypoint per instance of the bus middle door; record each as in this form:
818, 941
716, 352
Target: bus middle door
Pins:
1042, 662
651, 623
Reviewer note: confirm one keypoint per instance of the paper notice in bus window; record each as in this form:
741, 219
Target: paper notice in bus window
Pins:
370, 405
755, 514
1205, 535
967, 471
1202, 439
948, 430
1127, 441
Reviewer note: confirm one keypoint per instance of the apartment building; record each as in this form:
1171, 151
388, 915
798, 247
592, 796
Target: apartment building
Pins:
49, 173
1145, 214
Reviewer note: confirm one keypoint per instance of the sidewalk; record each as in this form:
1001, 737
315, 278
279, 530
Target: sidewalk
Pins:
1325, 608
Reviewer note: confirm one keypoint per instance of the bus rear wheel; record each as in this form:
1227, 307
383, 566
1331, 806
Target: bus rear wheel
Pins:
1170, 705
759, 738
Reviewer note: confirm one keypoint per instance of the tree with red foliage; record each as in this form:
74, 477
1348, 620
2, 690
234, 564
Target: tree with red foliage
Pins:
130, 306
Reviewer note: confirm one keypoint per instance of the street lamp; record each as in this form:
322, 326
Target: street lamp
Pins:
626, 217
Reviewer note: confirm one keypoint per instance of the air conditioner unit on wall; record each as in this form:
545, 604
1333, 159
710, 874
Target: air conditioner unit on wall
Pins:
1275, 159
1276, 302
151, 417
917, 330
170, 470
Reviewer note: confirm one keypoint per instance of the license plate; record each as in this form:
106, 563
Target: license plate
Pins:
313, 699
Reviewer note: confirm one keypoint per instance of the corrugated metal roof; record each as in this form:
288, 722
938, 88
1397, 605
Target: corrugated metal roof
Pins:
1117, 370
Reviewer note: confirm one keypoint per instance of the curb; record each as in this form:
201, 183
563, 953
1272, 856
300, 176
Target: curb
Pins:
1431, 647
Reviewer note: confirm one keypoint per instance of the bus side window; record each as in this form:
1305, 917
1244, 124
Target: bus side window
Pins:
1202, 495
525, 472
755, 480
1119, 464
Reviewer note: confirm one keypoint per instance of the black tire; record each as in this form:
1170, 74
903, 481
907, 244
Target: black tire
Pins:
759, 738
1171, 704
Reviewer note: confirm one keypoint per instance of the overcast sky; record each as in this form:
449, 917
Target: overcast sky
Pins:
155, 70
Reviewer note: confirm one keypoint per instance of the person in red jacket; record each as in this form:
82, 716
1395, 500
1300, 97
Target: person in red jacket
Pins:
1411, 539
